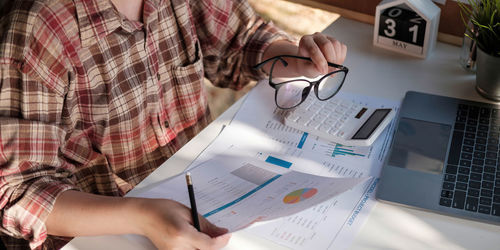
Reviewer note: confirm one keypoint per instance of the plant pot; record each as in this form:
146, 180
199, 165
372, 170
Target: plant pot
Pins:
488, 75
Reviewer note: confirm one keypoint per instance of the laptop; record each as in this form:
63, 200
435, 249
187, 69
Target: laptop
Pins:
444, 158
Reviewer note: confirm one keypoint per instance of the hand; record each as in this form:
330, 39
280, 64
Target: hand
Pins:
168, 224
321, 49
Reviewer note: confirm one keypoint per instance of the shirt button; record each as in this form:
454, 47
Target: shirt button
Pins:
166, 124
158, 76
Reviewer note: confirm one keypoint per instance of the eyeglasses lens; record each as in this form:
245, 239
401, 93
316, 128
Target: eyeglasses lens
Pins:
330, 84
291, 93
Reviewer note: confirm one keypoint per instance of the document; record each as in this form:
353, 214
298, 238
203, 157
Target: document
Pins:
236, 192
258, 131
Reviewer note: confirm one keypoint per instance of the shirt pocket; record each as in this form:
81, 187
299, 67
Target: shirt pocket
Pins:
190, 97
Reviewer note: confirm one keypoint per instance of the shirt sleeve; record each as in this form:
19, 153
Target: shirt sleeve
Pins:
33, 172
233, 38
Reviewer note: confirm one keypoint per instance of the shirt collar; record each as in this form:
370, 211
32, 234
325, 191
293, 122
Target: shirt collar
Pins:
96, 19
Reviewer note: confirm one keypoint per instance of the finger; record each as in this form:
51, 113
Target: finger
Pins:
222, 241
308, 48
326, 46
344, 53
340, 55
211, 229
199, 240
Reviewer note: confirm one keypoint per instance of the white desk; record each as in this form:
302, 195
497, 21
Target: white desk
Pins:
376, 72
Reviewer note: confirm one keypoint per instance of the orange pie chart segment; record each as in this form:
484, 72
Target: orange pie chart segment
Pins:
299, 195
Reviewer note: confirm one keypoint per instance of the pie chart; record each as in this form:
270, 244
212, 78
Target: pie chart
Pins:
299, 195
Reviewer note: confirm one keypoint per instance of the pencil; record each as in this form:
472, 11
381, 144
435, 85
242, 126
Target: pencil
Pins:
194, 211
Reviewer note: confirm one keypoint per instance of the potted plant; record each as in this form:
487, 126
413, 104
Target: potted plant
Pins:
485, 18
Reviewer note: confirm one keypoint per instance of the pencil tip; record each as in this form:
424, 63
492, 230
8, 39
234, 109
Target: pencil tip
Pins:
188, 178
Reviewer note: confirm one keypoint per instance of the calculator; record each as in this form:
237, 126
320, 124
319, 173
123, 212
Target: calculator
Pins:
345, 120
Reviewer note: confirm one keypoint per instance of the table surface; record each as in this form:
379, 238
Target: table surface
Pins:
373, 72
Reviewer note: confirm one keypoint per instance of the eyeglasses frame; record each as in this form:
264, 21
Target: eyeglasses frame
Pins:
312, 84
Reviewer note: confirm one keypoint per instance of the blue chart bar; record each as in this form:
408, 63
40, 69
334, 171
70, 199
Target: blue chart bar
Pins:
302, 140
278, 162
345, 150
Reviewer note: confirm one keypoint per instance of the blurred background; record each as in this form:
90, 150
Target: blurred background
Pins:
296, 19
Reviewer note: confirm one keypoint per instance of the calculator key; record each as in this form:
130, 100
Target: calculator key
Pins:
329, 121
484, 209
324, 128
318, 118
313, 124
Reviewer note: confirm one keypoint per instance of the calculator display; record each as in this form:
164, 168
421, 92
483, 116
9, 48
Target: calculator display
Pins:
371, 124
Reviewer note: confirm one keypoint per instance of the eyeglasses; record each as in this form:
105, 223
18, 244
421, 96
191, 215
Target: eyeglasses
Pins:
291, 92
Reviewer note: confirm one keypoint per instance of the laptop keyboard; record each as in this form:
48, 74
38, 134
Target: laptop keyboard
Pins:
472, 179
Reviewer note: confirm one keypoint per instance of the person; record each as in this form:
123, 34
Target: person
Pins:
96, 94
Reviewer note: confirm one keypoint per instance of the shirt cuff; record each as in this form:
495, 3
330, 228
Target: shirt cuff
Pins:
26, 218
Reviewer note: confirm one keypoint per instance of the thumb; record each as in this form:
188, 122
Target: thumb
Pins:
211, 229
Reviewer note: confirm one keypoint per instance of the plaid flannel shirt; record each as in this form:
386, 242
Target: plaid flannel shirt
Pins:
94, 102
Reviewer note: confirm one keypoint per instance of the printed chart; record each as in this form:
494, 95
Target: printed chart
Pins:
299, 195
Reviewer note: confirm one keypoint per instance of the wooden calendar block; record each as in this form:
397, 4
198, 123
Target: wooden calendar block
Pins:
406, 26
